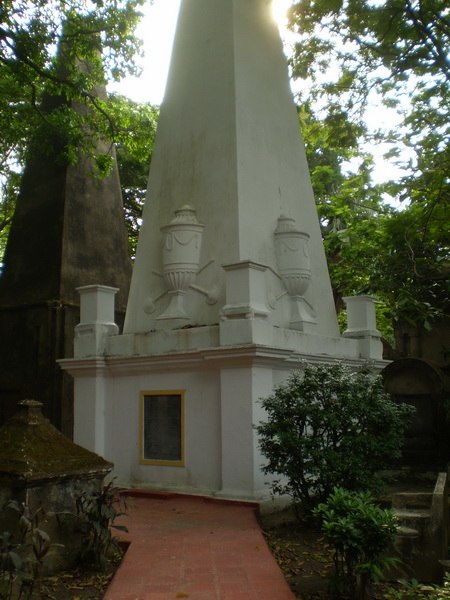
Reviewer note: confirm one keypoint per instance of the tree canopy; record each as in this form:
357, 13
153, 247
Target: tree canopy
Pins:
101, 33
346, 54
134, 153
350, 53
60, 49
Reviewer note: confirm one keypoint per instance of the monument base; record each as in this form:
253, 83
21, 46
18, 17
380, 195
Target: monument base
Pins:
177, 409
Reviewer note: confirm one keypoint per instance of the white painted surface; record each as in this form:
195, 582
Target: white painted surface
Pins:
361, 317
90, 411
229, 144
223, 388
362, 325
97, 303
97, 320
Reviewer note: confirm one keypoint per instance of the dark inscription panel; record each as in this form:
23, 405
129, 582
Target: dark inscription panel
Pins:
162, 427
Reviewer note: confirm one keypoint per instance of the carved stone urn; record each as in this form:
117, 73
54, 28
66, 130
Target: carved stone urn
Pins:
291, 247
292, 254
182, 241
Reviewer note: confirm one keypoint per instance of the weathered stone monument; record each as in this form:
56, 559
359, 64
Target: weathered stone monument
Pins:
43, 471
68, 229
230, 289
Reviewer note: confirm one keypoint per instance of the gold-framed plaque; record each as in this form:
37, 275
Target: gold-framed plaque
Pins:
162, 428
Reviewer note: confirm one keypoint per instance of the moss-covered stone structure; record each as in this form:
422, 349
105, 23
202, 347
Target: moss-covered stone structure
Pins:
45, 471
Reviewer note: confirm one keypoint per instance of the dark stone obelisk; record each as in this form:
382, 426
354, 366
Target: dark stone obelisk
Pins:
68, 231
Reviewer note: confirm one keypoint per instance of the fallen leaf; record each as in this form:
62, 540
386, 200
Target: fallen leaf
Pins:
76, 587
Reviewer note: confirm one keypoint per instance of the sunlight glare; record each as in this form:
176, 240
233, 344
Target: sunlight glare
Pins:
279, 11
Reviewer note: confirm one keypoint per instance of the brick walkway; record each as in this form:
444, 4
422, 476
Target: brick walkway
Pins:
189, 547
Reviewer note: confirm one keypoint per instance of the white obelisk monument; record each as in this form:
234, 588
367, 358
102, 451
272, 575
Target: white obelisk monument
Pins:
230, 289
229, 146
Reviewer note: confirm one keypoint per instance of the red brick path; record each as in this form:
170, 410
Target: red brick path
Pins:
188, 547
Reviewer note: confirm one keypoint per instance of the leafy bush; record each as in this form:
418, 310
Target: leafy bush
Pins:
22, 555
11, 564
97, 512
414, 590
360, 533
330, 426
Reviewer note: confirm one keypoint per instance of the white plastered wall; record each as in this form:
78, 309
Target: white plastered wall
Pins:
222, 406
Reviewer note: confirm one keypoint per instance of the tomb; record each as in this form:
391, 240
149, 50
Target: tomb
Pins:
44, 472
230, 289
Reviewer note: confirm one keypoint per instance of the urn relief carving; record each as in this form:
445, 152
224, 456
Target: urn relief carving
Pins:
182, 242
292, 252
294, 269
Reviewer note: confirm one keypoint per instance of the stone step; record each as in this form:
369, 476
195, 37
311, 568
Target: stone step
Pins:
417, 520
422, 530
414, 500
407, 532
411, 513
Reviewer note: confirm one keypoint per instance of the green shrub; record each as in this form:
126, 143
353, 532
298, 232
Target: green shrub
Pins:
330, 426
22, 555
11, 565
414, 590
96, 515
360, 533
